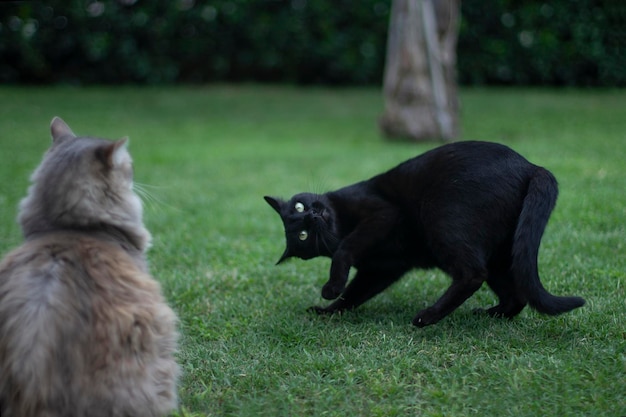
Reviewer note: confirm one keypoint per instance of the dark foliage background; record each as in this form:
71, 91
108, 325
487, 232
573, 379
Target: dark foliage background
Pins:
512, 42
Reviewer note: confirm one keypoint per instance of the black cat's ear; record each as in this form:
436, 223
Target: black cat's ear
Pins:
287, 254
276, 203
60, 130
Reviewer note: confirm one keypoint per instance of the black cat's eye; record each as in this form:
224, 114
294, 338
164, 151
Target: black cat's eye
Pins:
303, 235
299, 208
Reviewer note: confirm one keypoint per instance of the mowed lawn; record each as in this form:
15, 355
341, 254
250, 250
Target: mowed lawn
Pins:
208, 154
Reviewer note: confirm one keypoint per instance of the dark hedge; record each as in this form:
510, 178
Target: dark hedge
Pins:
564, 42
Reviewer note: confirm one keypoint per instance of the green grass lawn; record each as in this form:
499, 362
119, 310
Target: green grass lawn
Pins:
248, 347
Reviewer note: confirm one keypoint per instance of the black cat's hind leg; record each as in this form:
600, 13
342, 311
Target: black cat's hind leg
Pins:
366, 284
511, 302
464, 284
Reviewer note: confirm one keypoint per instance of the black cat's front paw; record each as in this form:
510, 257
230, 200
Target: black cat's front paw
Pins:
426, 317
330, 291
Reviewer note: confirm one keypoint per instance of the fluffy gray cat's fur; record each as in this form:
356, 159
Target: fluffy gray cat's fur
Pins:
84, 329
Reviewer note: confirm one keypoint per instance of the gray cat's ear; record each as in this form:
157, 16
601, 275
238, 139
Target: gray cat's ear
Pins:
59, 130
276, 203
113, 153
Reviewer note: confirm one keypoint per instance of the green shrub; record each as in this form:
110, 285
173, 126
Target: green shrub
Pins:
564, 42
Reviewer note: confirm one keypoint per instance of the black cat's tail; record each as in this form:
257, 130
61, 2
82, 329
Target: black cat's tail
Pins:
538, 204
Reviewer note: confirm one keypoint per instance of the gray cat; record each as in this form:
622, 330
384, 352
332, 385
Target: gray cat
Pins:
84, 329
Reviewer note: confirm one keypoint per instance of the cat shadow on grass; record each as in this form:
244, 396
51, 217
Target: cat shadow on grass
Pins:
466, 326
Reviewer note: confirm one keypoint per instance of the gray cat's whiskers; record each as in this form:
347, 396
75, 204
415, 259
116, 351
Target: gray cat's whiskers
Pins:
151, 201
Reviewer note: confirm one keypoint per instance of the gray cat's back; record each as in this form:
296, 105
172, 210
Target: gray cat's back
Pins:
87, 329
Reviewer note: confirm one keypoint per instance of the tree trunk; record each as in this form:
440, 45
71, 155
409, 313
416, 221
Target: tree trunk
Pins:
420, 71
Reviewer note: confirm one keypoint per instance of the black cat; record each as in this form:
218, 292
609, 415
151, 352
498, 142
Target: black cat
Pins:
476, 210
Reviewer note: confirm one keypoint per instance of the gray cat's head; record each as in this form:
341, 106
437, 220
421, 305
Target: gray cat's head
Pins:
83, 182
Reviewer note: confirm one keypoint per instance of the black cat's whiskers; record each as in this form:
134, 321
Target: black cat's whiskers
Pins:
330, 247
150, 200
328, 240
318, 234
320, 186
317, 244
